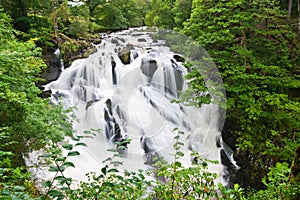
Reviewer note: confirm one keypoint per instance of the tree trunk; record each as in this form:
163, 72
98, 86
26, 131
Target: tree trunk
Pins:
295, 168
298, 1
54, 22
290, 10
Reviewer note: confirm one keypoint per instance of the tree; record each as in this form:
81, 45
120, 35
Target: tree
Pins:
182, 11
161, 14
290, 9
258, 56
298, 2
28, 121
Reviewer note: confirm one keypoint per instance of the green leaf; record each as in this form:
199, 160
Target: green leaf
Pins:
116, 163
177, 137
67, 146
178, 164
63, 158
55, 193
46, 155
53, 169
46, 184
113, 170
179, 153
103, 170
81, 144
73, 153
108, 159
68, 164
76, 139
19, 188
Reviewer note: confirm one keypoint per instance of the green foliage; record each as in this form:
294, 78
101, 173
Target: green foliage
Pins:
236, 192
27, 122
180, 182
58, 155
161, 14
168, 13
120, 14
256, 51
80, 21
257, 55
113, 183
204, 81
174, 181
110, 16
182, 11
277, 185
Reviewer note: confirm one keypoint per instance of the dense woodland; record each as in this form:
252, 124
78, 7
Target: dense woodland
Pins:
254, 43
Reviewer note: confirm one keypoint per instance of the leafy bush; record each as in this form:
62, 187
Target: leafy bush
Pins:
173, 180
278, 186
79, 27
27, 122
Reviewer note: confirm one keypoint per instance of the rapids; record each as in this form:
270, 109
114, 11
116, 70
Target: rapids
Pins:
125, 89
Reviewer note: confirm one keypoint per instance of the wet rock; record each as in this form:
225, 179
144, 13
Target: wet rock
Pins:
54, 67
90, 103
137, 34
114, 41
142, 40
45, 94
121, 39
57, 95
76, 48
135, 54
148, 66
178, 58
114, 75
124, 56
178, 75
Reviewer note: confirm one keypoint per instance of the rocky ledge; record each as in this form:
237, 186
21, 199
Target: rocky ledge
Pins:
70, 49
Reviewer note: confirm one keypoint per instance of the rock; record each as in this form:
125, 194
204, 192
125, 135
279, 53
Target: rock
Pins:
45, 94
137, 34
178, 75
142, 40
114, 75
121, 39
54, 67
178, 58
114, 41
90, 103
76, 48
148, 66
89, 51
124, 56
135, 54
57, 95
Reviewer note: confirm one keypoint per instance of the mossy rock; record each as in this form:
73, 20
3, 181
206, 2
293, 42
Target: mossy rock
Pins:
73, 49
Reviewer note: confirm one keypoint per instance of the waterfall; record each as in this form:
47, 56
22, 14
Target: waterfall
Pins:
57, 53
125, 89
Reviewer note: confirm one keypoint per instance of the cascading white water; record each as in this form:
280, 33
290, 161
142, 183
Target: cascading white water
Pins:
133, 100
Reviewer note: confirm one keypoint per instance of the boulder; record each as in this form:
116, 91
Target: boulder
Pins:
124, 56
114, 41
178, 58
142, 40
53, 67
45, 94
148, 66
